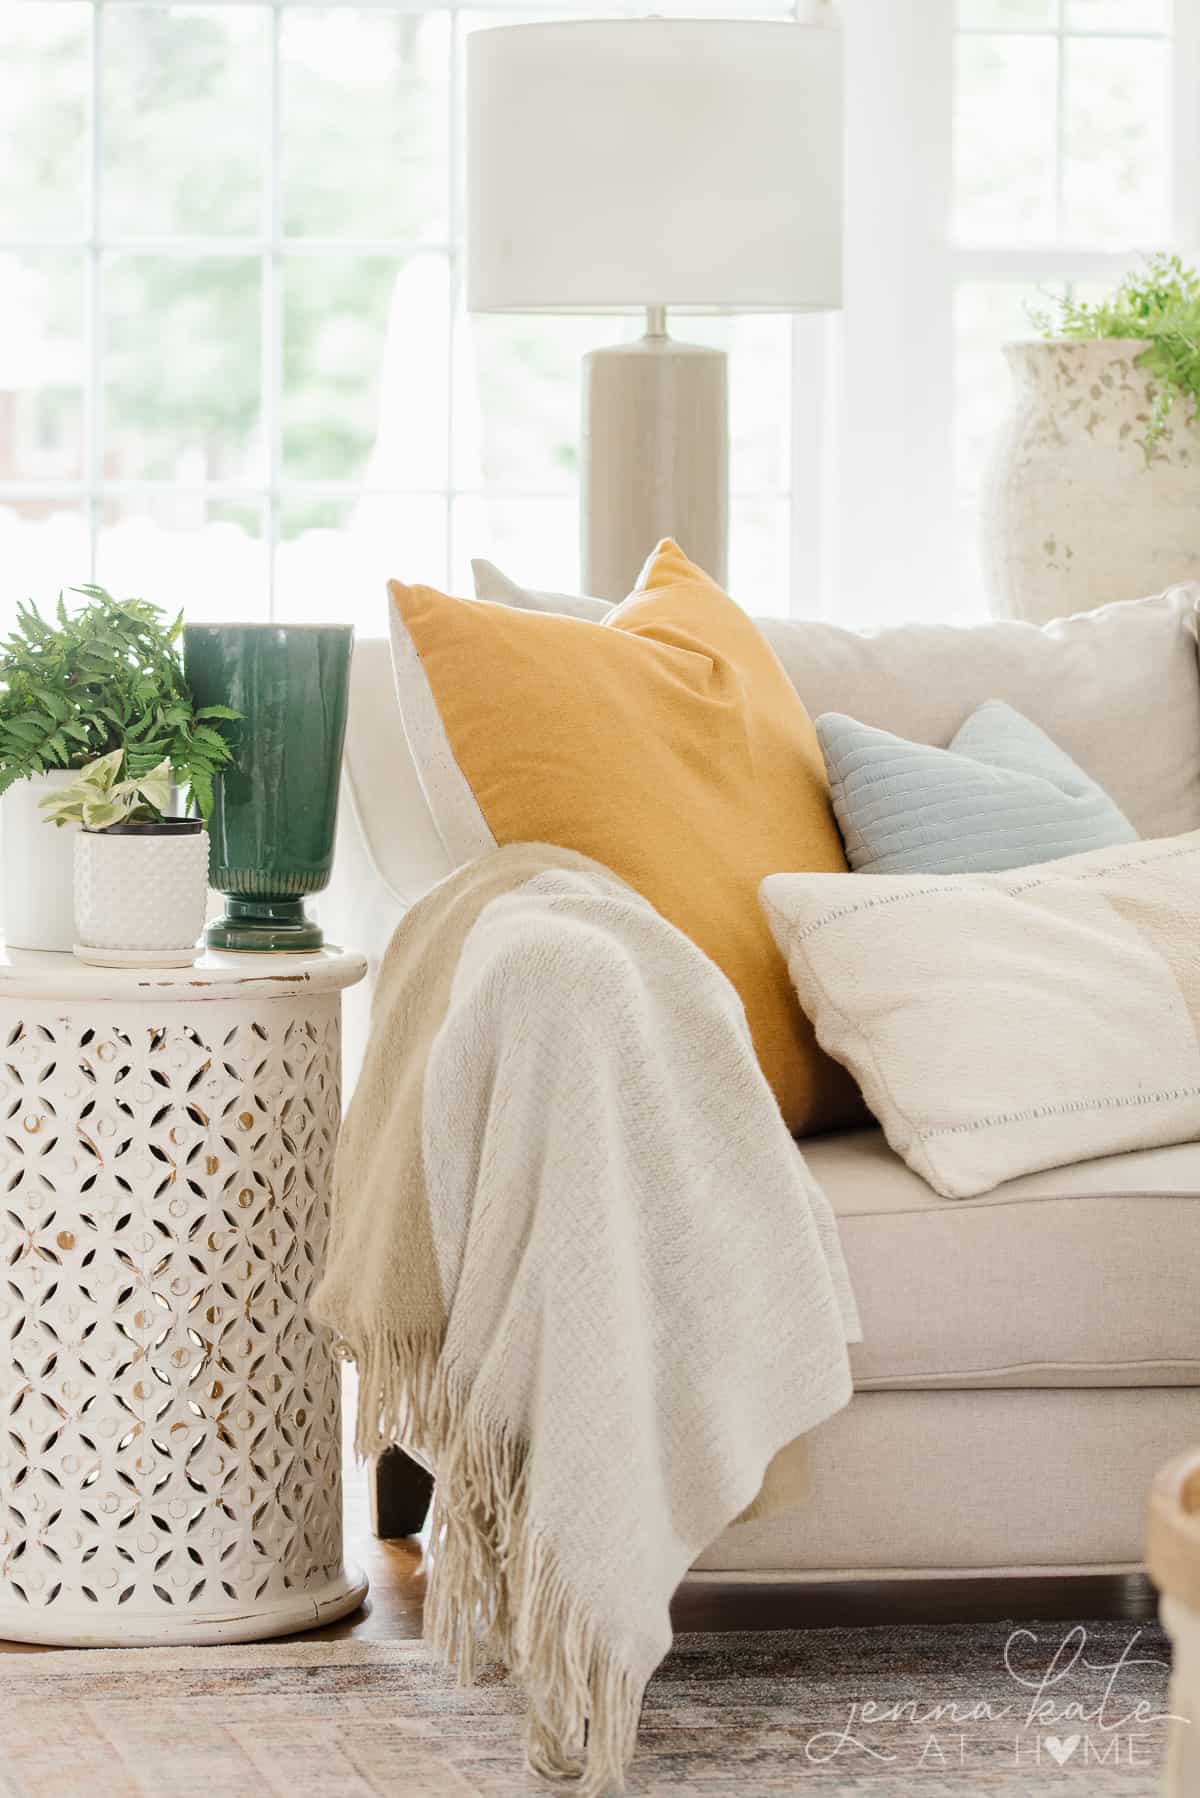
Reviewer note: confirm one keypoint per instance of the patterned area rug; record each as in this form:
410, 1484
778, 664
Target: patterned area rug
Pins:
946, 1712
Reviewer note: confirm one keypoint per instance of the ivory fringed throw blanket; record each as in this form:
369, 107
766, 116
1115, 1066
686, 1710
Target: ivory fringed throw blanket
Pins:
584, 1274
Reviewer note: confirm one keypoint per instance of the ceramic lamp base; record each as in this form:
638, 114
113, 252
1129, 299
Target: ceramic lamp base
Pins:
655, 458
267, 926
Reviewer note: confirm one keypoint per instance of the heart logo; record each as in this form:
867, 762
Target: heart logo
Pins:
1061, 1750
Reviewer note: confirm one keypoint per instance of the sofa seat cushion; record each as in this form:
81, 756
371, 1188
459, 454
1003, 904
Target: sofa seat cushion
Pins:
1082, 1276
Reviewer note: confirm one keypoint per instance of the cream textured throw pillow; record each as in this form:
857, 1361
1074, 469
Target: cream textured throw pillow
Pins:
1002, 1023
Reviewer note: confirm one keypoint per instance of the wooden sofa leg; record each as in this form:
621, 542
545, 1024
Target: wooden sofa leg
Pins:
400, 1493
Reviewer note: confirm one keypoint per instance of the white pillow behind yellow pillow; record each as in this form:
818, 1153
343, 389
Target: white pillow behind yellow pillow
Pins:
491, 583
1002, 1023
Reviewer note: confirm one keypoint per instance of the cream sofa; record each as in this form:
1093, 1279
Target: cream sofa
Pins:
1031, 1357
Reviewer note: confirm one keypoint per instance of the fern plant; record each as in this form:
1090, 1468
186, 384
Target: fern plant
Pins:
1159, 303
108, 677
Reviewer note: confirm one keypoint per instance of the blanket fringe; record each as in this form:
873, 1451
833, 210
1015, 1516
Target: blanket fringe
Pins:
495, 1585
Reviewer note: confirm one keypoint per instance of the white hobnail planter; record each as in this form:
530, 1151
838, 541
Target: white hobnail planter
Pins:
140, 893
39, 911
1072, 514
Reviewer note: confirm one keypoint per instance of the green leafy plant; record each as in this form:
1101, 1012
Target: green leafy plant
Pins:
1160, 302
107, 677
99, 798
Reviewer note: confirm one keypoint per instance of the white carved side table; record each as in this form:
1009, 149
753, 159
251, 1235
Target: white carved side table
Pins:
170, 1455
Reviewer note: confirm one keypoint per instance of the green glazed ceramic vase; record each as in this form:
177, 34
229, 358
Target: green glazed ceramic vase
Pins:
274, 815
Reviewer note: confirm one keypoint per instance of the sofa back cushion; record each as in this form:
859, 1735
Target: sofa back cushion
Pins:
1117, 689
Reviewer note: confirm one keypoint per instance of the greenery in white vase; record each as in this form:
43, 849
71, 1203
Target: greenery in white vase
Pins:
1159, 302
98, 798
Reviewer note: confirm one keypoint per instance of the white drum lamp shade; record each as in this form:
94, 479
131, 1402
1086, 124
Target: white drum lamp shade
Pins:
654, 162
621, 164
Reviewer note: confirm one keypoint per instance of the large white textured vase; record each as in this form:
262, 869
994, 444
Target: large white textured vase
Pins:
140, 894
1073, 514
38, 912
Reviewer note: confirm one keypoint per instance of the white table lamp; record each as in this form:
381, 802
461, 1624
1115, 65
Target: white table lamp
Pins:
621, 164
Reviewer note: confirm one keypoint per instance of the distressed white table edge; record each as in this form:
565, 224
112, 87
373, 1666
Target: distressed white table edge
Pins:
235, 984
36, 974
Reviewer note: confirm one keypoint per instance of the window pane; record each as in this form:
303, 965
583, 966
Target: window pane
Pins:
44, 56
41, 367
759, 350
365, 123
43, 548
336, 556
1031, 15
987, 315
184, 89
1119, 15
365, 370
181, 368
186, 551
1004, 139
536, 541
1115, 174
520, 378
760, 556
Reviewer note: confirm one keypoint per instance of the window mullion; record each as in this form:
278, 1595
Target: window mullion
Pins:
272, 306
1060, 128
453, 286
896, 389
1034, 262
1185, 126
93, 449
811, 456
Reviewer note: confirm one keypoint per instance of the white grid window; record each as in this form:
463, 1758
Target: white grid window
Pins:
1069, 158
235, 372
234, 369
998, 152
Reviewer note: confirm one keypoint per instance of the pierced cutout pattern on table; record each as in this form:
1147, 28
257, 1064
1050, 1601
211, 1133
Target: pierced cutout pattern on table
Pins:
170, 1411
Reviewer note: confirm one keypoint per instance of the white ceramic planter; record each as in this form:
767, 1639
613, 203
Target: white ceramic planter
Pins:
140, 894
1072, 515
39, 910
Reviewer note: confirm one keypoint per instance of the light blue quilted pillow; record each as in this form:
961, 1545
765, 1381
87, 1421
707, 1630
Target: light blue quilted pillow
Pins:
1001, 796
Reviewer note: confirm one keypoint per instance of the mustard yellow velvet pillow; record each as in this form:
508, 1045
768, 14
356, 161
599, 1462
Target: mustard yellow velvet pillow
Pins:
666, 742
